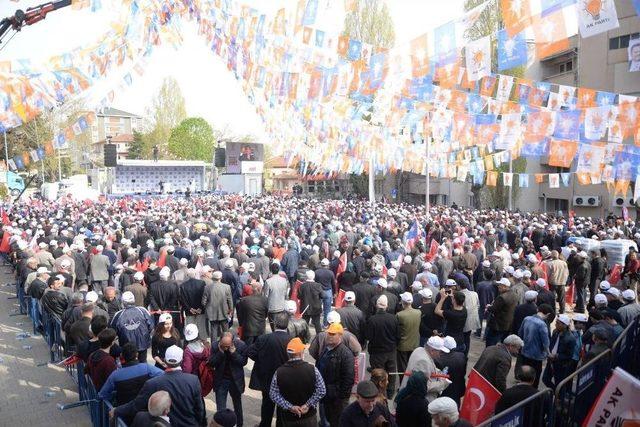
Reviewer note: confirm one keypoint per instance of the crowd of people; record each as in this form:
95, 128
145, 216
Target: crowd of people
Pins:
166, 300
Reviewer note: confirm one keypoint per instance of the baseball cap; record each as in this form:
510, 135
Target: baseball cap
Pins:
437, 343
406, 297
450, 282
335, 328
138, 276
580, 317
165, 272
191, 332
349, 296
505, 282
541, 282
486, 263
216, 275
295, 346
426, 293
173, 355
564, 319
517, 274
382, 302
450, 342
613, 291
382, 283
604, 285
164, 317
324, 261
600, 299
416, 286
367, 389
333, 317
92, 296
530, 295
42, 270
392, 272
128, 297
628, 295
443, 405
509, 269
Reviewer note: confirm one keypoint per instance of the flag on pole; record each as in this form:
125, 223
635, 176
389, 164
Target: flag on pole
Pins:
413, 235
479, 399
342, 265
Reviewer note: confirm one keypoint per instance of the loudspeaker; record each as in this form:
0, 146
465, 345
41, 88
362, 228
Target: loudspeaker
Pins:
220, 157
110, 155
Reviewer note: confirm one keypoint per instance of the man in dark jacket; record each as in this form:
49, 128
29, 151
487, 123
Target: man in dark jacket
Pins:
101, 364
336, 365
456, 365
364, 292
164, 295
268, 352
501, 310
228, 357
381, 289
598, 272
159, 407
252, 314
79, 330
560, 363
191, 292
352, 318
382, 332
327, 279
528, 308
289, 264
582, 278
110, 302
187, 408
230, 277
133, 324
495, 361
533, 414
310, 295
53, 300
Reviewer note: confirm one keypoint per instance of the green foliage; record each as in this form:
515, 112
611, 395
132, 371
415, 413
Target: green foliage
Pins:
3, 191
498, 196
360, 184
192, 140
138, 148
167, 110
371, 23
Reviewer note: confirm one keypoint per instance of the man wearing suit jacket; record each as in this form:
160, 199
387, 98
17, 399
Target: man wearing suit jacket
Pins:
159, 407
99, 266
269, 352
187, 409
519, 392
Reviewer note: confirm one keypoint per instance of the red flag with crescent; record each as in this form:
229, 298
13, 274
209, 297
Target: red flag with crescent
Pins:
479, 399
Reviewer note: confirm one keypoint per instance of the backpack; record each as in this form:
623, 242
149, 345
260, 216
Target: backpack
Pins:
205, 375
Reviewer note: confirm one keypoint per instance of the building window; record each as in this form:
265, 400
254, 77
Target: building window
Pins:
622, 42
565, 67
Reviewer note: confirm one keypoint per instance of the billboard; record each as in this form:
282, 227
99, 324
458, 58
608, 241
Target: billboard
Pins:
239, 152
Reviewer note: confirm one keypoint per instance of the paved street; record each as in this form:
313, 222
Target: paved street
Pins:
31, 388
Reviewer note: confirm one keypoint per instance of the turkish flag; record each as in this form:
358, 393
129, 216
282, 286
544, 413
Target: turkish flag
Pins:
433, 250
342, 264
340, 298
480, 399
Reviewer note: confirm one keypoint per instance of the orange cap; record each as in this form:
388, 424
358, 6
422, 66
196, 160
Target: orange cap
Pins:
335, 328
295, 346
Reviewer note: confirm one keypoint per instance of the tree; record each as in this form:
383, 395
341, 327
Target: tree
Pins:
370, 23
489, 23
138, 147
167, 110
192, 140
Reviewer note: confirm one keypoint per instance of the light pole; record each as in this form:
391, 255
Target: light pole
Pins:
6, 157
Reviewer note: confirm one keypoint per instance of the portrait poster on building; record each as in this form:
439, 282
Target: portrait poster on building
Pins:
634, 54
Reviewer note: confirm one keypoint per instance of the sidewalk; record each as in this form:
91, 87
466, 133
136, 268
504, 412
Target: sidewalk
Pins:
30, 387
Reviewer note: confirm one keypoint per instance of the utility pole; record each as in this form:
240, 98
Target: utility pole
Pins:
372, 190
427, 179
511, 186
6, 157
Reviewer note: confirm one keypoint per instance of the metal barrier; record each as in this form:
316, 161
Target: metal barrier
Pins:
523, 413
626, 349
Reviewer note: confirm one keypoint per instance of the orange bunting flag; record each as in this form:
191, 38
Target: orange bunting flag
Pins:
447, 75
586, 98
343, 45
487, 85
562, 152
419, 56
539, 178
621, 187
492, 178
551, 34
516, 14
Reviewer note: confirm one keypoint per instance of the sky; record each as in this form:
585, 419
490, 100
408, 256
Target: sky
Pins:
209, 89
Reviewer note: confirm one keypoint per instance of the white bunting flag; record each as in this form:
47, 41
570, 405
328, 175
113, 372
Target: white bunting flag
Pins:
595, 17
478, 58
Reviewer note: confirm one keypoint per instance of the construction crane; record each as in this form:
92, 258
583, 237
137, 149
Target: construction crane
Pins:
30, 16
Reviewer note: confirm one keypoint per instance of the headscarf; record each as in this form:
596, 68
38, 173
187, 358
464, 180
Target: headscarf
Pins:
416, 386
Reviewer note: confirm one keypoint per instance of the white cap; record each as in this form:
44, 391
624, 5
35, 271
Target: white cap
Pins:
580, 317
128, 297
173, 355
165, 272
349, 296
564, 319
450, 282
42, 270
138, 276
628, 295
164, 317
437, 343
406, 297
92, 296
324, 262
65, 263
517, 274
407, 259
382, 302
183, 262
191, 332
600, 299
392, 272
99, 248
416, 286
228, 263
333, 317
290, 306
604, 285
515, 256
426, 293
42, 245
582, 254
613, 291
310, 275
382, 283
532, 258
505, 282
526, 274
207, 269
509, 269
541, 282
530, 295
486, 263
450, 342
443, 405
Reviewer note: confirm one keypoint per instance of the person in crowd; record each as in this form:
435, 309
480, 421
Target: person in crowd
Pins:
382, 290
501, 313
560, 363
528, 308
268, 352
494, 363
581, 278
557, 277
298, 327
472, 307
100, 363
123, 384
139, 291
133, 324
444, 413
366, 410
535, 334
630, 310
164, 336
319, 342
409, 329
411, 402
39, 283
164, 296
187, 408
454, 363
228, 358
99, 268
157, 413
296, 388
352, 318
252, 312
53, 300
455, 317
533, 414
423, 359
217, 301
196, 350
276, 289
111, 302
380, 378
79, 330
223, 418
191, 292
311, 294
382, 333
327, 280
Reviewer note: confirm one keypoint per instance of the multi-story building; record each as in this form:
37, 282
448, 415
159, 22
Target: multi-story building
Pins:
118, 127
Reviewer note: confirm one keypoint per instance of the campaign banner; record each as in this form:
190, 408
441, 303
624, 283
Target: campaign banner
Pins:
617, 404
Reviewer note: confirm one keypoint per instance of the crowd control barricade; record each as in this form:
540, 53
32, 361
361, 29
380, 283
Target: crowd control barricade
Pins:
626, 349
538, 405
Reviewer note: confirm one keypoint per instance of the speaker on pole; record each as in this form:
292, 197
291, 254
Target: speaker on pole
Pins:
110, 155
220, 157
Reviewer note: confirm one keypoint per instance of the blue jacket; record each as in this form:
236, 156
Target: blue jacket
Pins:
535, 334
128, 377
566, 345
133, 324
187, 405
289, 262
238, 359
